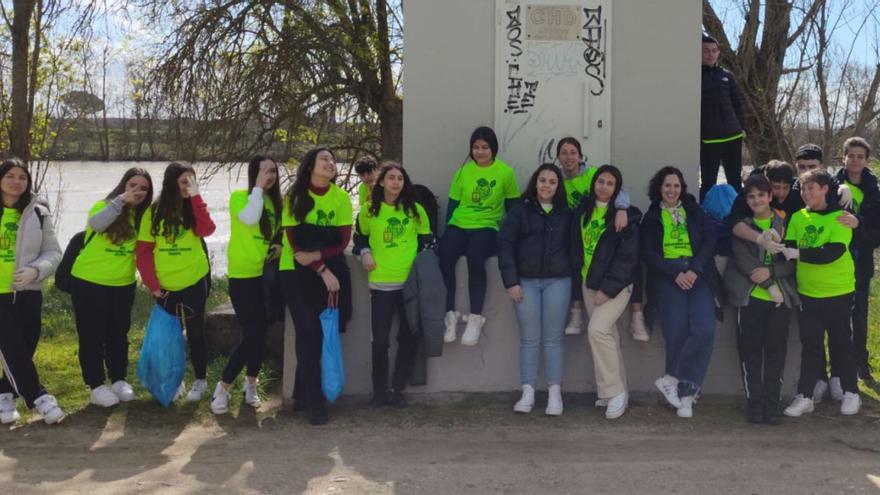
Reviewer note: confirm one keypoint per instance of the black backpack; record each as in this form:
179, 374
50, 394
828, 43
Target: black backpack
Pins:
426, 198
63, 278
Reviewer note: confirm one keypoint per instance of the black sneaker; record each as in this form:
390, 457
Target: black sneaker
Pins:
755, 411
865, 372
318, 416
772, 415
380, 399
399, 400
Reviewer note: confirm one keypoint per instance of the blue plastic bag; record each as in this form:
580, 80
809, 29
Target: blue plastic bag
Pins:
163, 356
332, 369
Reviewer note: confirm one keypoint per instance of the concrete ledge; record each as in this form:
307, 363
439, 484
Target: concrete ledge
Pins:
493, 364
222, 332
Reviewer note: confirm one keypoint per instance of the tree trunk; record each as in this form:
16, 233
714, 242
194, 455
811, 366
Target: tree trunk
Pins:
391, 129
19, 143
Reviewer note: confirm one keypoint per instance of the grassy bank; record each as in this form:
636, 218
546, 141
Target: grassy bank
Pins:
58, 365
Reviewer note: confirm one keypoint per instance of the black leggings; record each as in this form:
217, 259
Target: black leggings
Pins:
103, 318
248, 300
477, 245
19, 334
383, 305
189, 305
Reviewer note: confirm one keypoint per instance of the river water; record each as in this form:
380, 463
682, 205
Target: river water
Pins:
73, 187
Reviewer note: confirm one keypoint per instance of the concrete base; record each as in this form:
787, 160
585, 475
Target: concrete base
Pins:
493, 364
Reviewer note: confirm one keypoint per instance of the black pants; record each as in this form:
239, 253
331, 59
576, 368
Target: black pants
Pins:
306, 297
384, 304
816, 316
20, 328
248, 300
730, 155
477, 245
189, 305
762, 337
860, 312
103, 318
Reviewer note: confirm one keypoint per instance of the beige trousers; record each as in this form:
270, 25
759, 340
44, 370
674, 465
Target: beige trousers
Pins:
605, 341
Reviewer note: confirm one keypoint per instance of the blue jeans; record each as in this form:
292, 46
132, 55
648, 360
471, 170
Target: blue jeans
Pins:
541, 316
688, 321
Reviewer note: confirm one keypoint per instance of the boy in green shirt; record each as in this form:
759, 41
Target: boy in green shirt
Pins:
826, 283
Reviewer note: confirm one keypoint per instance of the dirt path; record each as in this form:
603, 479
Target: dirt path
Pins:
445, 445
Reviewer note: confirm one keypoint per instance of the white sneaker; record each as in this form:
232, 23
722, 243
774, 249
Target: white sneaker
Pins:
575, 321
819, 391
687, 407
123, 391
554, 401
103, 396
836, 389
617, 406
850, 404
220, 400
451, 322
668, 386
251, 394
637, 327
472, 331
8, 409
525, 404
48, 409
181, 391
196, 392
799, 406
601, 403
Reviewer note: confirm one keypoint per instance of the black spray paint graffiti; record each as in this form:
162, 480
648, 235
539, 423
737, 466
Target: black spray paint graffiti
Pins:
520, 93
594, 47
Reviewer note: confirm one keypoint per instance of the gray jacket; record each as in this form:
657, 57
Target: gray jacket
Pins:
746, 256
36, 246
423, 295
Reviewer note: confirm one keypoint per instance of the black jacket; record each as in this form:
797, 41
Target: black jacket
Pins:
533, 243
866, 237
721, 108
701, 232
616, 259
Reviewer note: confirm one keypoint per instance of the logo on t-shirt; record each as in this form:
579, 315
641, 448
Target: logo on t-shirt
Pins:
325, 219
393, 231
481, 192
810, 236
591, 237
576, 197
679, 230
7, 239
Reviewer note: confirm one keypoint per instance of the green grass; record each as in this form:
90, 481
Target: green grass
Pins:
58, 365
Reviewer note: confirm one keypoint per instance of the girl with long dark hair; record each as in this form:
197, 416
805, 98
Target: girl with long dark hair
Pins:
103, 286
533, 246
29, 253
392, 227
317, 222
607, 261
173, 263
480, 192
255, 219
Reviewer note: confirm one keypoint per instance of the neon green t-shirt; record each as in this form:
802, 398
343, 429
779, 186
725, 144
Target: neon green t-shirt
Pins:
858, 196
333, 209
180, 262
285, 263
101, 261
394, 240
481, 192
759, 292
590, 235
676, 240
576, 188
8, 235
247, 249
812, 230
363, 194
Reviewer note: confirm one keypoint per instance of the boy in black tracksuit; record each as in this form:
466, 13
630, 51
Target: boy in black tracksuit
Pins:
761, 286
866, 205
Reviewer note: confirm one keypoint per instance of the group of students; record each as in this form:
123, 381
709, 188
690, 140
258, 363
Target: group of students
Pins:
570, 243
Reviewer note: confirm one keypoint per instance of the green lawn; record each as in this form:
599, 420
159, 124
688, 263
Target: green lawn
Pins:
58, 365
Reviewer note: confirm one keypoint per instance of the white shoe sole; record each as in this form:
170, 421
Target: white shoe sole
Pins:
522, 409
11, 419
